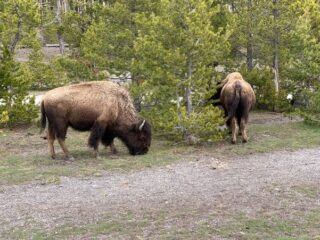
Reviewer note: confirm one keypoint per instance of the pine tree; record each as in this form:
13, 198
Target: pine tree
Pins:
19, 20
175, 50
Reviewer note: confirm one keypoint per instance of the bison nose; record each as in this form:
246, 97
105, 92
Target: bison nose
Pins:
139, 151
143, 151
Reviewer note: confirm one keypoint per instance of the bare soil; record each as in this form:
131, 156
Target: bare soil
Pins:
271, 118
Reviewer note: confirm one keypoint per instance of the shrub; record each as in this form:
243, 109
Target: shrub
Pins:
16, 106
175, 124
59, 72
267, 98
4, 118
75, 69
311, 113
44, 75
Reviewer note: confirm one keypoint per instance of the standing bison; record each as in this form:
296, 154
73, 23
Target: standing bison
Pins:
237, 98
102, 107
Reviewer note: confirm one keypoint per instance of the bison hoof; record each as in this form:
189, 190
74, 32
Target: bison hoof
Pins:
96, 154
245, 140
233, 141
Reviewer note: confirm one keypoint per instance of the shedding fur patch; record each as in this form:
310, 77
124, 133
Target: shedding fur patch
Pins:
126, 105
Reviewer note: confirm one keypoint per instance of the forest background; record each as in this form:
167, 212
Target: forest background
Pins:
172, 54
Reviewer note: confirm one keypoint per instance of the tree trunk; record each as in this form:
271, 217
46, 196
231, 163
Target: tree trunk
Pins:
250, 38
188, 99
17, 36
134, 76
233, 6
178, 105
66, 5
59, 23
250, 52
276, 78
137, 99
276, 62
276, 40
188, 89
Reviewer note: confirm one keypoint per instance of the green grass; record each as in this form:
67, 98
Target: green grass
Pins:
272, 137
300, 225
20, 167
308, 191
24, 155
183, 224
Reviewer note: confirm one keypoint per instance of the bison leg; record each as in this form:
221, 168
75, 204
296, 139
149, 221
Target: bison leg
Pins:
96, 134
113, 148
51, 138
61, 135
243, 129
235, 129
64, 148
107, 140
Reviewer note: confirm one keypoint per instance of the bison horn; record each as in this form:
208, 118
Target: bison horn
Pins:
142, 124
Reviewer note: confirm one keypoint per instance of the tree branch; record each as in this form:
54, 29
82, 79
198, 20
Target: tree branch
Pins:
17, 36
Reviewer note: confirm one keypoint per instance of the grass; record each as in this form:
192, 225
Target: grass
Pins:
300, 225
183, 224
273, 137
23, 167
307, 191
24, 155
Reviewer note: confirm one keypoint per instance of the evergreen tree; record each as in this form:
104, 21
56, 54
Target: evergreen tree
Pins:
19, 20
175, 50
304, 63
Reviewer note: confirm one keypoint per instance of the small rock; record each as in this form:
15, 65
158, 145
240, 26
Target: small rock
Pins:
191, 139
125, 184
97, 174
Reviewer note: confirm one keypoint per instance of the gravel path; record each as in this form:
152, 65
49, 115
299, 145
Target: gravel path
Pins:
233, 184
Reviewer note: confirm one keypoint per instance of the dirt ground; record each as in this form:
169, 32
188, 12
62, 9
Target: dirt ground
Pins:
237, 183
253, 185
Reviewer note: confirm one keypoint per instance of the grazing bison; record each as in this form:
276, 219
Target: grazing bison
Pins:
237, 98
102, 107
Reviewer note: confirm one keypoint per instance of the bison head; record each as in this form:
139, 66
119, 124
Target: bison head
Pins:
138, 138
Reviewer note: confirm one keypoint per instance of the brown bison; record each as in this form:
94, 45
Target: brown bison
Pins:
237, 98
102, 107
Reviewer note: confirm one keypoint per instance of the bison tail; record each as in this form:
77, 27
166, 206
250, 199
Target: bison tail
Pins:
43, 120
235, 102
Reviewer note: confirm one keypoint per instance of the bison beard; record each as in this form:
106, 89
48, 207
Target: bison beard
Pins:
102, 107
237, 98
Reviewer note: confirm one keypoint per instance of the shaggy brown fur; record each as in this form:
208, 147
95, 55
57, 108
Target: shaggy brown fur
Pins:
237, 99
102, 107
